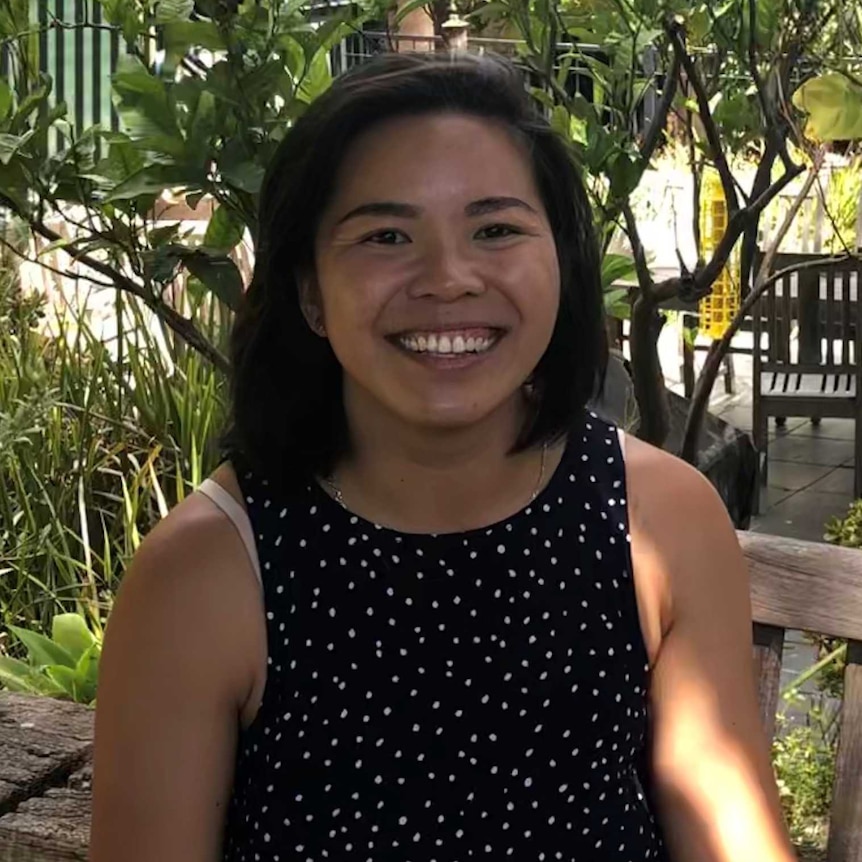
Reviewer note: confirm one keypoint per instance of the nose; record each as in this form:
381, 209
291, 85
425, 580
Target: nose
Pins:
447, 273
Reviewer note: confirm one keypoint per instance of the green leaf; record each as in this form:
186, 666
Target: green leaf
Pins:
123, 14
316, 79
408, 8
16, 186
159, 236
65, 678
218, 273
834, 107
560, 121
245, 175
616, 267
87, 673
70, 631
10, 145
202, 125
181, 35
160, 264
41, 650
17, 675
170, 11
29, 104
154, 179
146, 113
224, 230
5, 99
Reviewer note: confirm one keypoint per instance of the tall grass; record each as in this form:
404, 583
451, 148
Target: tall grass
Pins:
98, 439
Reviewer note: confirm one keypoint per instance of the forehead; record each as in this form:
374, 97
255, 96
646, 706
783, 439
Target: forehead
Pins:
436, 158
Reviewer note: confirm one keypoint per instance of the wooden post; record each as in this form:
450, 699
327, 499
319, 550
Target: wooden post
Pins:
845, 829
768, 647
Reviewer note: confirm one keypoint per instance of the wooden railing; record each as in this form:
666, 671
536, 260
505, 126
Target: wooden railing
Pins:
45, 745
817, 588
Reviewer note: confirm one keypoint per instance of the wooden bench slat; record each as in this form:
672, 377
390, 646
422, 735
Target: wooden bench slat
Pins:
807, 385
768, 647
805, 585
845, 828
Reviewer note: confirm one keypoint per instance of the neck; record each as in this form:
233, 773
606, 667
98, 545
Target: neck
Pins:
428, 480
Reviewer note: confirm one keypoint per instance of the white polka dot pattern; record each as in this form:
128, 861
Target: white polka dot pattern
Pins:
481, 694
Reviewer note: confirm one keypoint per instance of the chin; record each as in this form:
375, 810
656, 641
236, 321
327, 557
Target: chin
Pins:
451, 416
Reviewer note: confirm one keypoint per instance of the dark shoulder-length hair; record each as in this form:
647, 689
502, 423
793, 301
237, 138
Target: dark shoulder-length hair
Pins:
287, 418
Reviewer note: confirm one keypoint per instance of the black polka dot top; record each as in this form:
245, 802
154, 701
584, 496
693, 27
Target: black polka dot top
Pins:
446, 697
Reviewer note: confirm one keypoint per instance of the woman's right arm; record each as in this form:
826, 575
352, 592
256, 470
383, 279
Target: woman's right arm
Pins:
178, 665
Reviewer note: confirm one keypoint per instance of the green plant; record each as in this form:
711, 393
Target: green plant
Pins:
804, 764
64, 666
99, 437
616, 268
200, 124
846, 531
843, 195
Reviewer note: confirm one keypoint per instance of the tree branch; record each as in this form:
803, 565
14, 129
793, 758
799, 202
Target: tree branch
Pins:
41, 263
645, 281
173, 319
659, 121
677, 38
719, 348
699, 285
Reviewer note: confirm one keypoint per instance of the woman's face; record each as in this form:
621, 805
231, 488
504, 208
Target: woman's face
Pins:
436, 270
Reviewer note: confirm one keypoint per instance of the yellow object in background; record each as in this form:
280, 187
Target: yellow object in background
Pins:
719, 308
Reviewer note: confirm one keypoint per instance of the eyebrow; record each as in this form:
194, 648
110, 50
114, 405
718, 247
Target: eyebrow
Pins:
485, 206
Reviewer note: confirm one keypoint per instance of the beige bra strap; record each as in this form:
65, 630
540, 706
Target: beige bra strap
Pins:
238, 516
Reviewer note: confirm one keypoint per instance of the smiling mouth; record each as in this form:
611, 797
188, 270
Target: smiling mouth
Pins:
474, 340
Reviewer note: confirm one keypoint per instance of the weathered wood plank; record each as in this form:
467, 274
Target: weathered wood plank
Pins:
50, 828
768, 646
805, 585
42, 742
845, 830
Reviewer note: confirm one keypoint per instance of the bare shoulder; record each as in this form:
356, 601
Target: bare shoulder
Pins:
193, 564
684, 546
179, 663
665, 492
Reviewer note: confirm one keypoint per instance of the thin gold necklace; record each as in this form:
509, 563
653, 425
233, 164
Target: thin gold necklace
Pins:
334, 489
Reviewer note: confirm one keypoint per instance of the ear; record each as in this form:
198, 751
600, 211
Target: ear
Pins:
310, 303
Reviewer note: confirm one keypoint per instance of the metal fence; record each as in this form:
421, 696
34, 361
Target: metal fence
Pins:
79, 52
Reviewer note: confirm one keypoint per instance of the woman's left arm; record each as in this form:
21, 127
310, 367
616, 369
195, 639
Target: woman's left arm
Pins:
713, 782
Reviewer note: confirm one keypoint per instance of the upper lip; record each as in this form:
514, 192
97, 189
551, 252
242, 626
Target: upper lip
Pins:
447, 327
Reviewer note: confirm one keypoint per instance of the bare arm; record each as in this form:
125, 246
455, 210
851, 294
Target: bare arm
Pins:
174, 675
713, 779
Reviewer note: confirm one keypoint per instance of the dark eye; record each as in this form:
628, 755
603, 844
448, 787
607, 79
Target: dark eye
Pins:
387, 237
498, 231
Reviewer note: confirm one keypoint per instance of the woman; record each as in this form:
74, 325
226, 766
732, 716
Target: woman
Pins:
431, 608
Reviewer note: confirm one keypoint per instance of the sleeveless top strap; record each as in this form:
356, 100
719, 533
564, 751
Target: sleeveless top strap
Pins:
238, 517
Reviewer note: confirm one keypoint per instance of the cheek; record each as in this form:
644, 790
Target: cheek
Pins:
355, 297
534, 285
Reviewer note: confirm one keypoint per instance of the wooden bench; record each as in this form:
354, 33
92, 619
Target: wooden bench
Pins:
809, 365
45, 745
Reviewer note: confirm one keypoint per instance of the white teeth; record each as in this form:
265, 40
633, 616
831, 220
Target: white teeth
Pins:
445, 344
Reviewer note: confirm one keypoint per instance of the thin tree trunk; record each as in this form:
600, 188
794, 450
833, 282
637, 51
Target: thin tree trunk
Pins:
649, 385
